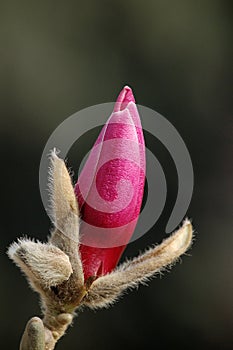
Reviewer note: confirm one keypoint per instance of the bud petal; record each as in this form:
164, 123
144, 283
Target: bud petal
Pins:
110, 188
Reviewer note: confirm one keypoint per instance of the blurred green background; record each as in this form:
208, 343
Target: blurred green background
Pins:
59, 57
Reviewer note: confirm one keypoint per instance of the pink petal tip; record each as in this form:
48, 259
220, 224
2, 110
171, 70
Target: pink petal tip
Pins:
125, 96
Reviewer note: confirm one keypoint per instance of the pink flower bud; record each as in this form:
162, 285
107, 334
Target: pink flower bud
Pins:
110, 188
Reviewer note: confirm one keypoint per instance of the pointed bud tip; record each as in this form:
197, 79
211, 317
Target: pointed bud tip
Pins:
125, 96
128, 94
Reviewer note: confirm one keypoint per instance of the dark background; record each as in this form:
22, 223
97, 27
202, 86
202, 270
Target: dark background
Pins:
59, 57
